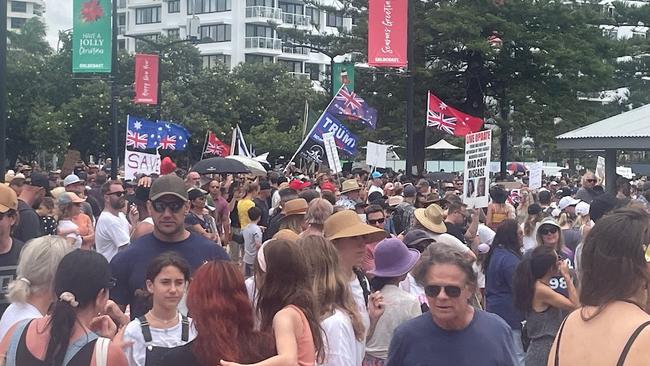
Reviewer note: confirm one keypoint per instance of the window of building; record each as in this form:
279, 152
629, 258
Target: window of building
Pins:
268, 3
19, 7
215, 33
174, 6
291, 8
174, 33
314, 14
291, 66
121, 44
17, 23
334, 20
313, 70
121, 19
147, 15
254, 30
210, 61
121, 4
208, 6
258, 59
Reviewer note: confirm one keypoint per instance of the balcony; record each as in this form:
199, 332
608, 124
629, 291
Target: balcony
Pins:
263, 14
296, 20
121, 30
300, 75
295, 51
263, 45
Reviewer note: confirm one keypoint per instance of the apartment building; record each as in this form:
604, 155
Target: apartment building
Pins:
233, 31
19, 11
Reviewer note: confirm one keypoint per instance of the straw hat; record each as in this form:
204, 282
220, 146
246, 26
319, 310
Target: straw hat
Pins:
349, 186
296, 206
286, 234
431, 218
347, 224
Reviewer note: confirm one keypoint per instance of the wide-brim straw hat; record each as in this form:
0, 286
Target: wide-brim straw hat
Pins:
296, 206
349, 186
347, 224
431, 218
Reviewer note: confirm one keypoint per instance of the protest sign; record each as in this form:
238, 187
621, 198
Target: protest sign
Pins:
478, 147
600, 170
535, 178
332, 152
140, 163
376, 155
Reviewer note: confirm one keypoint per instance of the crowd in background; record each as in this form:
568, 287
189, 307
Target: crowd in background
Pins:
359, 268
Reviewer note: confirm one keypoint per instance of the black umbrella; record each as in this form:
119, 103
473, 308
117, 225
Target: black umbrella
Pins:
220, 166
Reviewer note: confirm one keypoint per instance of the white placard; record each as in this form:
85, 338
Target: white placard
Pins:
140, 163
625, 172
331, 151
600, 169
535, 178
376, 155
478, 147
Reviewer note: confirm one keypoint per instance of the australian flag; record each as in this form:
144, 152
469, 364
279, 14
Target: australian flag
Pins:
142, 134
350, 105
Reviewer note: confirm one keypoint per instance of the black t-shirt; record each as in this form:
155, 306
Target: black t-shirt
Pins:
457, 231
8, 264
262, 205
130, 266
29, 224
274, 225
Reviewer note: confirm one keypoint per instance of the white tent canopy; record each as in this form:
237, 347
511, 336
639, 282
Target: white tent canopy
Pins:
443, 145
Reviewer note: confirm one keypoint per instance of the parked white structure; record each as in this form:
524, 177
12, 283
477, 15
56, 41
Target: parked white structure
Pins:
233, 31
19, 11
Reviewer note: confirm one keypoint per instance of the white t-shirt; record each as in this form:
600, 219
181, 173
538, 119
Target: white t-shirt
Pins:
111, 233
451, 240
168, 338
400, 307
67, 226
16, 312
357, 294
342, 347
409, 285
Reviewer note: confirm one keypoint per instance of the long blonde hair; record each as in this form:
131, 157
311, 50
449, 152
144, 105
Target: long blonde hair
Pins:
328, 281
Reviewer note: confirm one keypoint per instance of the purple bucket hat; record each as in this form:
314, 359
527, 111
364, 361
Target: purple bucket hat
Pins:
393, 258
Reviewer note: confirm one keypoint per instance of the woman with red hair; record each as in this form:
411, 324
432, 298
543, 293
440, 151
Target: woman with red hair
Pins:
223, 318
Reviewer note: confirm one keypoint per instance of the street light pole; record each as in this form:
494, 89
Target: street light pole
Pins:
3, 89
114, 95
410, 96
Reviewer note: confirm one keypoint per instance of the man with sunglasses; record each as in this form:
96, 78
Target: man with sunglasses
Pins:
375, 216
452, 332
587, 192
112, 233
168, 204
10, 247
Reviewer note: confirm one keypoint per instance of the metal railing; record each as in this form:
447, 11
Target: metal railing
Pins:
295, 50
296, 19
300, 75
263, 42
264, 12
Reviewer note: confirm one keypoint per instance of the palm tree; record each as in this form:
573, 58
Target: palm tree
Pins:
30, 38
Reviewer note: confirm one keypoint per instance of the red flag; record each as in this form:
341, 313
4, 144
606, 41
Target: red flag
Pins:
215, 146
146, 79
450, 120
387, 33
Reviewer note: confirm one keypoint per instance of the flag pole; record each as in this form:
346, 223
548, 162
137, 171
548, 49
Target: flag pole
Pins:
233, 141
205, 143
305, 117
313, 128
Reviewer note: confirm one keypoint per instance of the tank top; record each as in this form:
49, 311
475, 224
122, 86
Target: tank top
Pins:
79, 352
305, 341
499, 214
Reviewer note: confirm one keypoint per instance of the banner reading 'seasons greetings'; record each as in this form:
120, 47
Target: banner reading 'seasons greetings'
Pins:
478, 147
387, 33
91, 36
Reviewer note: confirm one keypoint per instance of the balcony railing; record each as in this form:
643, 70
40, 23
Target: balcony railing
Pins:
300, 75
295, 50
265, 12
121, 29
263, 42
296, 19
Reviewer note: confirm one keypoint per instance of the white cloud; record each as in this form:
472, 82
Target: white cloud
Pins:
58, 16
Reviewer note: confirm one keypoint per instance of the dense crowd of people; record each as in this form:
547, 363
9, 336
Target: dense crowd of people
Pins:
353, 269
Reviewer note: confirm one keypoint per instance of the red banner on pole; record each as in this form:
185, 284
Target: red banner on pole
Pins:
146, 79
387, 33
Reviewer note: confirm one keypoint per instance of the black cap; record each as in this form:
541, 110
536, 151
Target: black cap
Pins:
39, 180
195, 193
534, 209
265, 185
375, 196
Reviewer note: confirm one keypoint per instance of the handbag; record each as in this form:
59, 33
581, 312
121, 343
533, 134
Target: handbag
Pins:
101, 351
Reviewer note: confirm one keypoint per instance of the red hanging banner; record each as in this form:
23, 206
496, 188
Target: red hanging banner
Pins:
146, 79
387, 33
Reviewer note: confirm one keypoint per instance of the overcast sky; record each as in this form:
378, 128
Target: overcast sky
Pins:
58, 16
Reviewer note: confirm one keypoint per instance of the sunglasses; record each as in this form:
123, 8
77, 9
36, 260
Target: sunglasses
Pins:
548, 230
117, 194
378, 221
592, 180
161, 206
434, 290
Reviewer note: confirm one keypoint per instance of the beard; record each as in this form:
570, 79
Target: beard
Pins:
119, 204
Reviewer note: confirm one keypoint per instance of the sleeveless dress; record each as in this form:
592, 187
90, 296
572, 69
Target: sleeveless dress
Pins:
542, 328
305, 341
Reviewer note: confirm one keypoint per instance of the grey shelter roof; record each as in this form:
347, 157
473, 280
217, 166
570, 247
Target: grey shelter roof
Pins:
629, 130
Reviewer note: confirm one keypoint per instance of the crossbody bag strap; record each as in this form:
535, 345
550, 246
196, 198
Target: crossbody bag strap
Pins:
101, 351
630, 341
10, 357
146, 330
185, 328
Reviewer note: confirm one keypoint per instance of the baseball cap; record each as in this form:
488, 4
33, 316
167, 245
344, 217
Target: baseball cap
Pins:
376, 175
409, 191
40, 180
265, 185
534, 209
582, 208
328, 186
567, 201
67, 198
8, 199
71, 179
195, 193
169, 184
